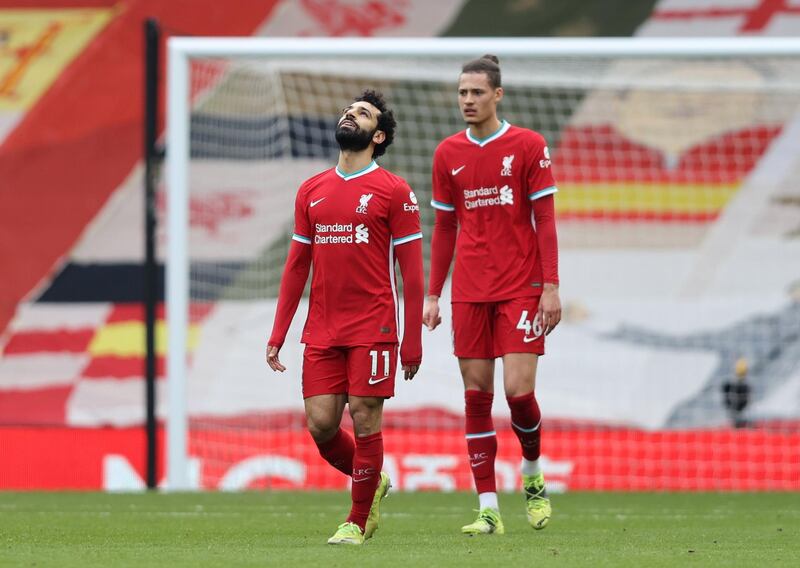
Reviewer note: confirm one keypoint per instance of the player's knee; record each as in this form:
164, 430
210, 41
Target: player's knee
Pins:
478, 386
519, 385
366, 419
478, 375
322, 427
518, 390
478, 382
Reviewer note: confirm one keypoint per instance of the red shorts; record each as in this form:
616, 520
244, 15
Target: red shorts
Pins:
487, 330
361, 370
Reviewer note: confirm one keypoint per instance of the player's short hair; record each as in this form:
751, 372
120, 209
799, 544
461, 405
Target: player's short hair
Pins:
488, 64
386, 121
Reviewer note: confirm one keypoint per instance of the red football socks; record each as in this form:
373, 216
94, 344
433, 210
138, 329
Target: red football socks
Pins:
367, 464
481, 439
526, 419
339, 451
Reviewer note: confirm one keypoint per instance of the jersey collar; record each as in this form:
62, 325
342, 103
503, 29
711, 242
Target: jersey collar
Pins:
504, 126
362, 172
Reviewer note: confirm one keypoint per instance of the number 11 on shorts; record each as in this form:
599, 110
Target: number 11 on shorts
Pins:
374, 355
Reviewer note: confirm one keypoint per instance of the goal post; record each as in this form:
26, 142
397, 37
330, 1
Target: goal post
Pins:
652, 139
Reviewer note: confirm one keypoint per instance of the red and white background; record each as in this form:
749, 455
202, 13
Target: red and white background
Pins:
71, 389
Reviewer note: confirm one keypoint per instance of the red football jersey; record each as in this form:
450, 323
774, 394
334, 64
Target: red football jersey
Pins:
352, 223
490, 184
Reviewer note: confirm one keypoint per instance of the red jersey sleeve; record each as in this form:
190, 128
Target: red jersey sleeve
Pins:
443, 198
540, 171
295, 274
295, 271
541, 188
404, 220
443, 245
302, 226
409, 257
544, 215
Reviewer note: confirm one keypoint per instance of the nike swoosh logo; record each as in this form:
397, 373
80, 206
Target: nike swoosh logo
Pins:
456, 170
374, 382
529, 339
360, 480
479, 463
313, 203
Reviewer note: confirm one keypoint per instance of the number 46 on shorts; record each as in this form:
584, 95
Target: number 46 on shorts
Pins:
529, 326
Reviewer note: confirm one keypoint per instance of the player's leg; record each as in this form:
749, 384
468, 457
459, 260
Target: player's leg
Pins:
519, 371
325, 394
371, 370
478, 375
520, 341
473, 346
323, 416
367, 476
519, 378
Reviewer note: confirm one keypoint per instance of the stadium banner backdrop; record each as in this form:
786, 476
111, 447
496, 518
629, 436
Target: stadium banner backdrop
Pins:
37, 46
59, 60
77, 366
63, 367
338, 18
588, 459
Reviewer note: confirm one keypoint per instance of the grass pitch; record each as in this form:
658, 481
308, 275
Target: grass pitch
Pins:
290, 529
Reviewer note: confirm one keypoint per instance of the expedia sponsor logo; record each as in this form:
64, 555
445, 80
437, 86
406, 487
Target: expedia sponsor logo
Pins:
488, 196
546, 162
340, 233
413, 206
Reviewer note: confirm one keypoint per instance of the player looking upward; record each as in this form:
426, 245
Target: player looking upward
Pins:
493, 192
351, 222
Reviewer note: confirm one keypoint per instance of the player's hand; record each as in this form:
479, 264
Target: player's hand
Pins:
409, 371
272, 359
549, 308
430, 313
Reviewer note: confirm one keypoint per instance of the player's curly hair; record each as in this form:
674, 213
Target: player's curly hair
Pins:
488, 64
386, 121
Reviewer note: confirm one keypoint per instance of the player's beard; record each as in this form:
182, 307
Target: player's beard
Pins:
353, 139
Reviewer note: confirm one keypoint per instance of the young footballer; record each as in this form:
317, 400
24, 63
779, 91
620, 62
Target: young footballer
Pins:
493, 191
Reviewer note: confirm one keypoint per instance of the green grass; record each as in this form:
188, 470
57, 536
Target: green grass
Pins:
290, 529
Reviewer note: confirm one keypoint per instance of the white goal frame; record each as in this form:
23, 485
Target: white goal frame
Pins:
182, 49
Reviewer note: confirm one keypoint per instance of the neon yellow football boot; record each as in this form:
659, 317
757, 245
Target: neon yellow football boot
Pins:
488, 522
347, 533
375, 511
537, 502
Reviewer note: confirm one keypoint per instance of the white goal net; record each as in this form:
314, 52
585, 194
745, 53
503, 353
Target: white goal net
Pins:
679, 228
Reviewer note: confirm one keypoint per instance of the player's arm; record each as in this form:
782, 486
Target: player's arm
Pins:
293, 281
443, 241
295, 275
547, 241
405, 227
543, 188
409, 257
443, 244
